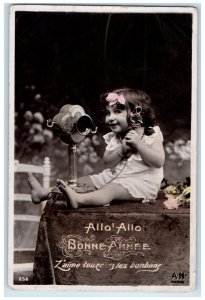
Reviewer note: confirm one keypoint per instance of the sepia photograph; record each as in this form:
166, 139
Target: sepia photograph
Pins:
102, 148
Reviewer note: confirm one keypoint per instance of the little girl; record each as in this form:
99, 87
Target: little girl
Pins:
134, 155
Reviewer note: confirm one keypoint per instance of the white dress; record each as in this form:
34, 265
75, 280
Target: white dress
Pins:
141, 180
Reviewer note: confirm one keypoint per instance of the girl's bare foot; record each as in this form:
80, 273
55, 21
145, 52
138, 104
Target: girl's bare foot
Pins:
38, 193
71, 195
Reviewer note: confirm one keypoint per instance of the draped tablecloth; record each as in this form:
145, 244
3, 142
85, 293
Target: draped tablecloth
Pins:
126, 243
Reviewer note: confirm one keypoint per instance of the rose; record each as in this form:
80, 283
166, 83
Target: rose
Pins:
171, 202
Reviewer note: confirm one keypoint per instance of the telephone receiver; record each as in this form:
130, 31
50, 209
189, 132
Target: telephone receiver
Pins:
135, 117
72, 124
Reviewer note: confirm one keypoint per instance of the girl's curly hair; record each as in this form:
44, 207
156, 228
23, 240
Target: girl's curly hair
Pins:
134, 98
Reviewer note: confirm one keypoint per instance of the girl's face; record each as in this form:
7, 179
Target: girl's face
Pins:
116, 118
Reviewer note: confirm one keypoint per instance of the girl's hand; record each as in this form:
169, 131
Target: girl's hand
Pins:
124, 147
132, 139
153, 155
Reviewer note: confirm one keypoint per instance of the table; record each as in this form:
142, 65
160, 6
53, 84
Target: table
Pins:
124, 244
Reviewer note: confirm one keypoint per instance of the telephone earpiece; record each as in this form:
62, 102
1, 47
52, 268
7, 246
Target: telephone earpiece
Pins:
135, 117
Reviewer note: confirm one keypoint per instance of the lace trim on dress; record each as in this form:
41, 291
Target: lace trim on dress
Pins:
111, 141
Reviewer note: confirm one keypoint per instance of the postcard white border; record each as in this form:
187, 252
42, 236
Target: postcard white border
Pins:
105, 9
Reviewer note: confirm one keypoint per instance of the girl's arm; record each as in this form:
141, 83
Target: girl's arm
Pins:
152, 155
113, 157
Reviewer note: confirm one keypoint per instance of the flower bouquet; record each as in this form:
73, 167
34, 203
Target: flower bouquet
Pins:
177, 195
